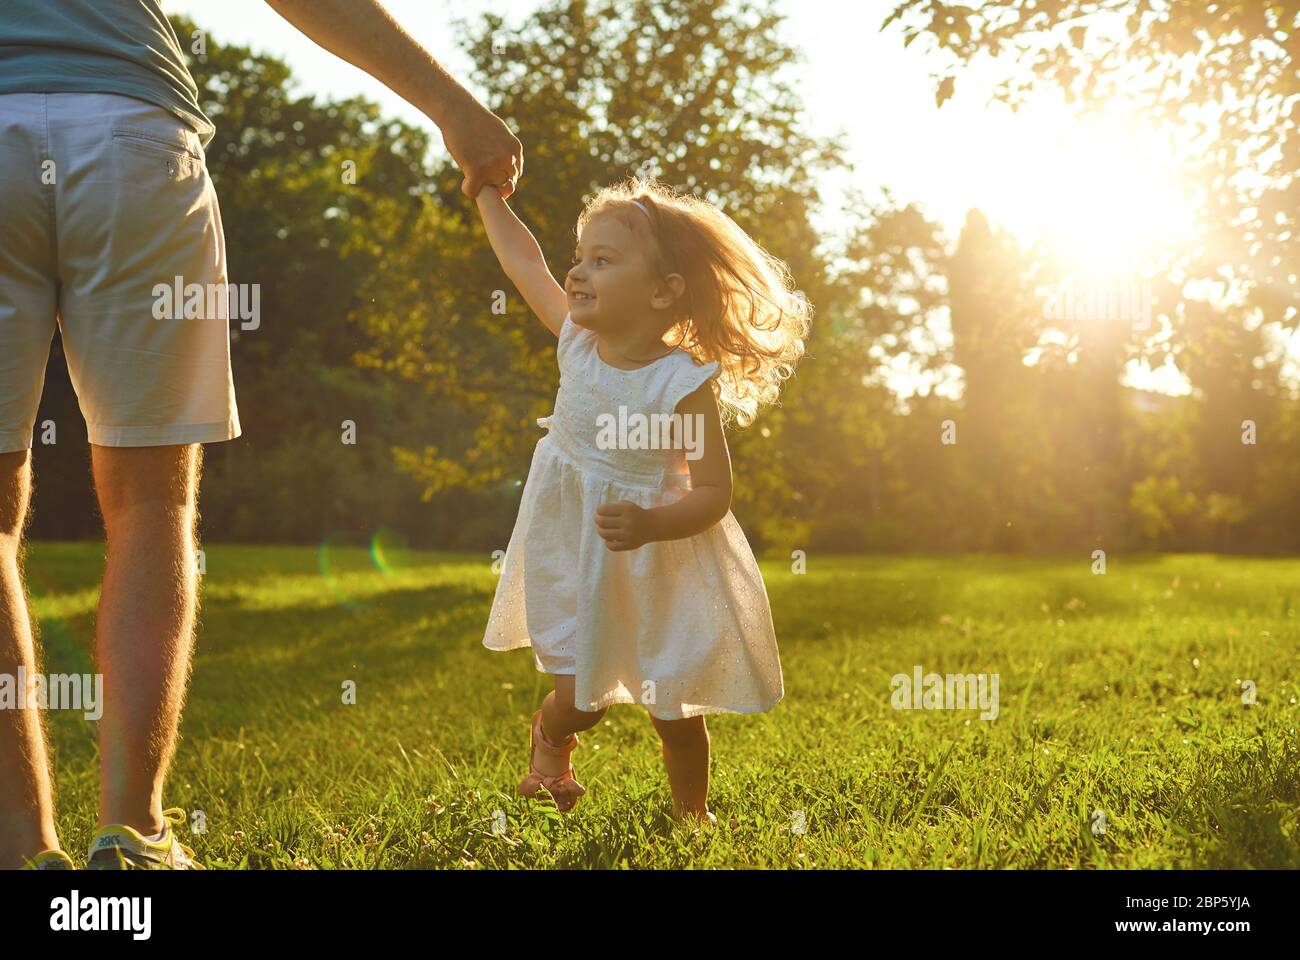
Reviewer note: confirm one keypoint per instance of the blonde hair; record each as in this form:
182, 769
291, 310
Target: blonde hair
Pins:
739, 306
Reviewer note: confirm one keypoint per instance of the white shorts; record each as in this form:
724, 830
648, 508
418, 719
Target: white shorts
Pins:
104, 200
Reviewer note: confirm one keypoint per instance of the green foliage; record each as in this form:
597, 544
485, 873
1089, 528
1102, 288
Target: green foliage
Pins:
379, 295
1224, 71
692, 93
1158, 502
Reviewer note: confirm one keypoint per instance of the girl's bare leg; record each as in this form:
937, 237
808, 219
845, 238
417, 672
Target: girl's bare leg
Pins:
686, 758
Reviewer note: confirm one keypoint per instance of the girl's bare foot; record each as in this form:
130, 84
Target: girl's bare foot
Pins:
697, 818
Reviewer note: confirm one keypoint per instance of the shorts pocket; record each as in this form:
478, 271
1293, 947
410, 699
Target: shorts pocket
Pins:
178, 160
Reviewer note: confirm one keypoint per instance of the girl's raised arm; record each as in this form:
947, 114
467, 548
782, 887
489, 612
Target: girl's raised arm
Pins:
522, 260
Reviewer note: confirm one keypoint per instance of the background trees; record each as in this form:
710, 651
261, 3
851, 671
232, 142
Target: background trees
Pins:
378, 293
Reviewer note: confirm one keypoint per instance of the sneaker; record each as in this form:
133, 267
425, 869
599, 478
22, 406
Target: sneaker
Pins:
119, 847
50, 860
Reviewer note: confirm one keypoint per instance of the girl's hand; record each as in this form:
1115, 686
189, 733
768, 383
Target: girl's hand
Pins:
623, 525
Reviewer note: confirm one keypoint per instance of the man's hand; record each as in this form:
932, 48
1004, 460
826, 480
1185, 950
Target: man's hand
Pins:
623, 525
363, 34
484, 149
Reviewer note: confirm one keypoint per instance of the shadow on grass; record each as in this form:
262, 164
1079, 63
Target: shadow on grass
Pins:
1247, 811
297, 659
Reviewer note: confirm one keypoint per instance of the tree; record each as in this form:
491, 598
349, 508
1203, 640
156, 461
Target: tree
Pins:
313, 197
689, 92
1224, 68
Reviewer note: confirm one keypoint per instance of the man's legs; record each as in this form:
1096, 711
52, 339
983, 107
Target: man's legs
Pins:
145, 628
29, 282
26, 800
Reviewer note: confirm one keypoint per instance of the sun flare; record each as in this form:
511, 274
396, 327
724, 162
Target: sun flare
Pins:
1104, 194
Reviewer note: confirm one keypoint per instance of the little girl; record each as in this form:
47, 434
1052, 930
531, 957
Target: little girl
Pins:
627, 573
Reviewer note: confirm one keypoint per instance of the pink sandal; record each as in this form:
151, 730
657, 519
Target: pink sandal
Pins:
564, 788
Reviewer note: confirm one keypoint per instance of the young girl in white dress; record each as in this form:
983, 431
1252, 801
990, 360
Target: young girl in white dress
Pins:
626, 572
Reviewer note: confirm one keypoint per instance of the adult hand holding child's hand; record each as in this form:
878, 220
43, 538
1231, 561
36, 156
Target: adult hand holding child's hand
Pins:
484, 149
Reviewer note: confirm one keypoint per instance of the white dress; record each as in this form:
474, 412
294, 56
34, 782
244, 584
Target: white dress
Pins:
682, 627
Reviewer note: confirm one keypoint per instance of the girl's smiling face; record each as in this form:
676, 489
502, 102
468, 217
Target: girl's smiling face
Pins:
611, 282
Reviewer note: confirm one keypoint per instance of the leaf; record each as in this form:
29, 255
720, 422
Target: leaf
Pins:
944, 91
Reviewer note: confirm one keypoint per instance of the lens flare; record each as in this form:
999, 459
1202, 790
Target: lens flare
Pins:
389, 551
342, 565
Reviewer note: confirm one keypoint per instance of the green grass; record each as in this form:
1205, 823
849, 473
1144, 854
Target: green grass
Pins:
1118, 693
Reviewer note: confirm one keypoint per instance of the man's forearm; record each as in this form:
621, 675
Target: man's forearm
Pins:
362, 33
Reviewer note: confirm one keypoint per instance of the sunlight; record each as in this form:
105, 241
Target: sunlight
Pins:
1102, 193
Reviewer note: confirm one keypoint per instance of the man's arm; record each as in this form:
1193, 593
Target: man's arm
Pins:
362, 33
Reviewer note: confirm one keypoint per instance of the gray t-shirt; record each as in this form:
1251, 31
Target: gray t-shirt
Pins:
98, 46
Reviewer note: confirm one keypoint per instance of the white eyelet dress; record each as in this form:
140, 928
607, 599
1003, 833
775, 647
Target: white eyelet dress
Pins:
682, 627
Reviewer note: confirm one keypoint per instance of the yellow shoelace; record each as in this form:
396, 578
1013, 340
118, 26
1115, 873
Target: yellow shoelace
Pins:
176, 816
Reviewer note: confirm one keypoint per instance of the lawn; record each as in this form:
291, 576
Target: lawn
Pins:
1122, 739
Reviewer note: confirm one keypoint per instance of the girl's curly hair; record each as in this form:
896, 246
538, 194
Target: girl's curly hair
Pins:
739, 306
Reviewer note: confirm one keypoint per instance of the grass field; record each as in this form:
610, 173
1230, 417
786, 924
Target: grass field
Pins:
1118, 693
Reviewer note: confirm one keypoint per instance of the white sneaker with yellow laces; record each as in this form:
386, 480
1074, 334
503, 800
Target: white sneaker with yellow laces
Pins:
119, 847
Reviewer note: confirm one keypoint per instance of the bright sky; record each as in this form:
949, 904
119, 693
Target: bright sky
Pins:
854, 79
1103, 191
